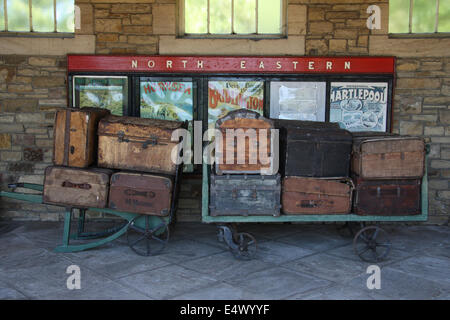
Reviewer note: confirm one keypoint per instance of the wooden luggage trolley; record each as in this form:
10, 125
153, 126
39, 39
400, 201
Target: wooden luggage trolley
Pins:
146, 234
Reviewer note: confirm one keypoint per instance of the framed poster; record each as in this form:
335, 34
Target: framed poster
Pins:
110, 92
229, 95
295, 100
359, 106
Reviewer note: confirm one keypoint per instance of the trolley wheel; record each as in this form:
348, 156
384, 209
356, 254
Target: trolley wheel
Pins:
148, 240
246, 246
372, 244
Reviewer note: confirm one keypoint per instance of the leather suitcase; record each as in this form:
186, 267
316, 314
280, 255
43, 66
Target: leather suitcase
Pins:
251, 163
141, 193
314, 149
75, 136
75, 187
316, 195
137, 144
245, 195
388, 156
387, 197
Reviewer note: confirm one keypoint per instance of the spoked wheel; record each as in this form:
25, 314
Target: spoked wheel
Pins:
372, 244
146, 238
246, 246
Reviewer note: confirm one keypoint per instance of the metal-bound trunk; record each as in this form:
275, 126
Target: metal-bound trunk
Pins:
388, 156
387, 197
137, 144
246, 144
316, 196
314, 150
75, 136
75, 187
245, 195
141, 193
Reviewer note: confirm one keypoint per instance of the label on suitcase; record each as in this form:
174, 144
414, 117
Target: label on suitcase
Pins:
246, 144
75, 136
141, 193
137, 144
245, 195
388, 157
316, 196
387, 197
75, 187
315, 152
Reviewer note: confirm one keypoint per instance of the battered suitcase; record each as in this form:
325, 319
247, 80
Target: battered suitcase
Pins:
388, 156
314, 150
246, 122
137, 144
316, 195
75, 136
141, 193
245, 195
75, 187
387, 197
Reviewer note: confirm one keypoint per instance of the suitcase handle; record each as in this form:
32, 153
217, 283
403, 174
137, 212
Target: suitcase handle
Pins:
151, 141
68, 184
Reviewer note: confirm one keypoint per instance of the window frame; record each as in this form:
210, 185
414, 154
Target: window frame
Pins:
180, 24
32, 33
410, 34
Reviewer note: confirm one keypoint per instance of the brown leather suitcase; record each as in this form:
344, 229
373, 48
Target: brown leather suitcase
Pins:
75, 187
388, 156
251, 163
75, 136
387, 197
301, 195
141, 193
137, 144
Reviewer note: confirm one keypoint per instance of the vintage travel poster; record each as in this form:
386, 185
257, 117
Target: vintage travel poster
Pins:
101, 92
226, 96
359, 106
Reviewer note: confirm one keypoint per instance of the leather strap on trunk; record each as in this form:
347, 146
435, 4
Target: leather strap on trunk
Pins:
66, 139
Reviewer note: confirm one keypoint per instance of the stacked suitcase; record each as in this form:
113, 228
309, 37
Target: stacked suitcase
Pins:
387, 170
142, 147
244, 187
315, 167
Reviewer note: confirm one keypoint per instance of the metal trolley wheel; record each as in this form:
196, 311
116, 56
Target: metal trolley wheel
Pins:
372, 244
246, 246
145, 238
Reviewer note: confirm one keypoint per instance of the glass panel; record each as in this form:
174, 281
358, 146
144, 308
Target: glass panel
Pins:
245, 16
269, 16
65, 16
444, 16
359, 106
226, 96
424, 16
298, 100
2, 15
42, 16
220, 16
398, 16
195, 16
18, 15
102, 92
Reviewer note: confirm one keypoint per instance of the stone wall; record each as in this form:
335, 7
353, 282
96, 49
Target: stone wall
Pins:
33, 80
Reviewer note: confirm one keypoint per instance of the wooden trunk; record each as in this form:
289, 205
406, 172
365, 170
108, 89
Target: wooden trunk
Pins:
75, 187
314, 150
387, 197
141, 193
137, 144
75, 136
243, 155
316, 196
388, 157
245, 195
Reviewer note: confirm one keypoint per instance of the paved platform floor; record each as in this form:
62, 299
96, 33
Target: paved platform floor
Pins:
293, 262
